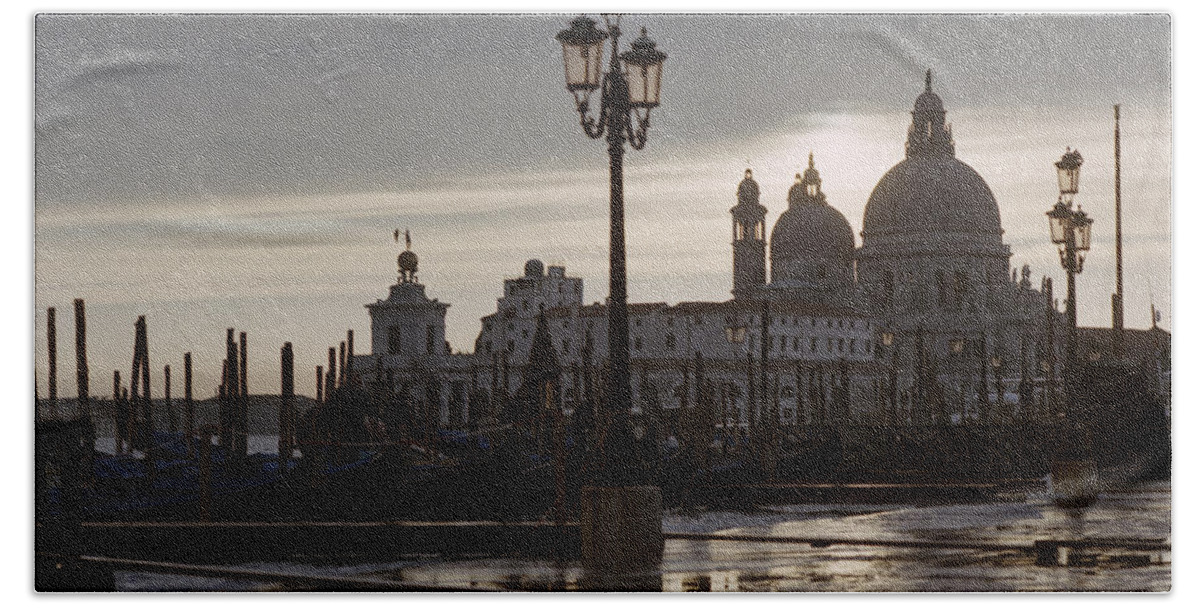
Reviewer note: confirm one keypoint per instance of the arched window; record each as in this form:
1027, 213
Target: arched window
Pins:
758, 231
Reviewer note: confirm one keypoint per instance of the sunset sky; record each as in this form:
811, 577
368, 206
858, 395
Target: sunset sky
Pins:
248, 171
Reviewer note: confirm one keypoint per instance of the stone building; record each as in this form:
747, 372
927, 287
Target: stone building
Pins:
924, 323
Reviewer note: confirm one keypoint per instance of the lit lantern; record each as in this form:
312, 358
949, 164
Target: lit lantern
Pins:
643, 72
583, 54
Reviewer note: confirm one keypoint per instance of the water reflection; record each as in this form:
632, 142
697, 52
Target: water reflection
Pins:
723, 565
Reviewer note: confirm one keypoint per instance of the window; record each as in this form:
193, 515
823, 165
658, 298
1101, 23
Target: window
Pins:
394, 340
510, 346
812, 345
841, 323
813, 321
670, 341
739, 231
524, 304
796, 344
758, 231
637, 322
525, 334
841, 345
852, 345
828, 345
637, 343
670, 322
697, 320
566, 345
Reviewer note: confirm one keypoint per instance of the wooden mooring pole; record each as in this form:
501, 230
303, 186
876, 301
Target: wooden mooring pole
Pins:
81, 364
243, 400
349, 355
286, 404
189, 407
229, 382
172, 423
52, 354
118, 414
331, 374
320, 384
341, 378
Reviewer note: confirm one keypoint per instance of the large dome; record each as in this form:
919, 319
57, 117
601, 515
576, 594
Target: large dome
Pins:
930, 195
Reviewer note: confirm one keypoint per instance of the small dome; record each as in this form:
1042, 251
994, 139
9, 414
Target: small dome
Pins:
748, 190
407, 261
810, 227
807, 231
535, 268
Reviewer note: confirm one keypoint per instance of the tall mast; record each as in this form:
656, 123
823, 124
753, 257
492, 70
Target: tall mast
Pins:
1118, 299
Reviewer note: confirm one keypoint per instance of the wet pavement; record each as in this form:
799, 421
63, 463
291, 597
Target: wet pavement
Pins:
1005, 562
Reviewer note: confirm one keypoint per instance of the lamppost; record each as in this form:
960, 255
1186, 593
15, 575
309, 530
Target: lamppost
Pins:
627, 91
621, 512
1072, 232
1073, 473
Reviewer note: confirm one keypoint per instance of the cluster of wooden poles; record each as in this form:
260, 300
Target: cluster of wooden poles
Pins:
133, 409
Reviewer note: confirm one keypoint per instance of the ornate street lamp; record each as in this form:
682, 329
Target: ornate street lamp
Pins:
621, 503
1072, 232
625, 94
1073, 473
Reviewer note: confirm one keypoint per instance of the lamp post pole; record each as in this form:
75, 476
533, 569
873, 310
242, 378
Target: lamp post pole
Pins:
1073, 474
621, 509
619, 104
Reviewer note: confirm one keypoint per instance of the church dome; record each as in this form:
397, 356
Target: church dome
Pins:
931, 193
810, 227
811, 230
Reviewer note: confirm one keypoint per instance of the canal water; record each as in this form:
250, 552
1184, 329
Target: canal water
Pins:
1141, 512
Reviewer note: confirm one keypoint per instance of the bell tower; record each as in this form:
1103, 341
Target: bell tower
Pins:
749, 240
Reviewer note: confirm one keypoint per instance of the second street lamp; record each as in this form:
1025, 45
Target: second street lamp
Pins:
1073, 473
583, 46
1072, 232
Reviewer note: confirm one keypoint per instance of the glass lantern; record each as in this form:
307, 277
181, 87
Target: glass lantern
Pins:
643, 72
583, 54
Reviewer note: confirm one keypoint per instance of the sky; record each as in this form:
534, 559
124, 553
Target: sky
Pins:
248, 171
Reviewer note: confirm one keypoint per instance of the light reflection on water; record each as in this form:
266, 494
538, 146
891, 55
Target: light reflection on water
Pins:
747, 566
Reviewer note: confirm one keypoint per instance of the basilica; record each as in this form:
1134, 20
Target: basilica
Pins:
921, 322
